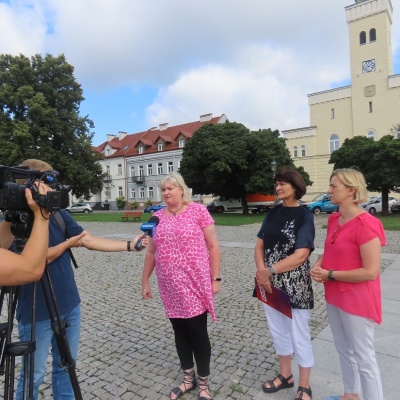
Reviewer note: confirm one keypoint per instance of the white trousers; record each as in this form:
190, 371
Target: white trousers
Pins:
354, 341
291, 335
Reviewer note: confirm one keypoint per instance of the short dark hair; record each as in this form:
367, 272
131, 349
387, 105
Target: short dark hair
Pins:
294, 178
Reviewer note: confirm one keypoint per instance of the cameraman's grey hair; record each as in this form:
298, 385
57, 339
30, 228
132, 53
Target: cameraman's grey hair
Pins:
38, 165
176, 179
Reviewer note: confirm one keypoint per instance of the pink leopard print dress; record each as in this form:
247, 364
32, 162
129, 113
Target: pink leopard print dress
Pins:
182, 262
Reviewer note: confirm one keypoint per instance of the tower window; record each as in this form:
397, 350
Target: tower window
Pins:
371, 135
332, 113
363, 37
333, 143
370, 106
372, 35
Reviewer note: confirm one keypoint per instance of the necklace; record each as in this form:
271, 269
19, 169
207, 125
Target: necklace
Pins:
174, 212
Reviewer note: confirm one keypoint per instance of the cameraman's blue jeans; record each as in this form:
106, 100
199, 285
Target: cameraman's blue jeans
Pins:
61, 383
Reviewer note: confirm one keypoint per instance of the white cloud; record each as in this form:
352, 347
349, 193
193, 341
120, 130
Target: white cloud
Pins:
253, 60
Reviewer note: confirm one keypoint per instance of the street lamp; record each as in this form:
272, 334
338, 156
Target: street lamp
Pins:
273, 169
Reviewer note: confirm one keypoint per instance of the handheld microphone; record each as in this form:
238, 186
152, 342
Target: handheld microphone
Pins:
149, 229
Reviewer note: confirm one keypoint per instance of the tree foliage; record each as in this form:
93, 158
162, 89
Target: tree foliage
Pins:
39, 118
379, 161
228, 160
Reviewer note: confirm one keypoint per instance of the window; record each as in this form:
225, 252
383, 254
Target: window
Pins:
160, 146
295, 152
132, 193
141, 171
132, 169
333, 143
108, 172
179, 164
120, 192
150, 169
332, 113
140, 150
363, 37
170, 166
303, 150
181, 143
372, 35
159, 169
141, 193
371, 135
398, 132
370, 106
151, 192
119, 169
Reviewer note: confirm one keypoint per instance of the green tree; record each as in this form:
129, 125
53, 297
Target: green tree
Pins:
379, 161
39, 118
229, 161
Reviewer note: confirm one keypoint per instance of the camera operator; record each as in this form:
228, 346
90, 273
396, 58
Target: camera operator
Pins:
67, 296
18, 269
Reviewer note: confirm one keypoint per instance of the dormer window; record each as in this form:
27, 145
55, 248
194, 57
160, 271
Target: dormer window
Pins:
181, 143
160, 147
140, 150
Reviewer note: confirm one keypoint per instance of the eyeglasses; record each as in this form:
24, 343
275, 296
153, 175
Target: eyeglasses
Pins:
335, 233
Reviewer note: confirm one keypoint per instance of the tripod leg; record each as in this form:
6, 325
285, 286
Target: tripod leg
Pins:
59, 328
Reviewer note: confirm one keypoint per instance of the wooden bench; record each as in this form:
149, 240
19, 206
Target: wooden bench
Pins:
135, 215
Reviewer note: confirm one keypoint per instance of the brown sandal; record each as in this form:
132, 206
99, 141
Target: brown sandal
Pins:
189, 378
285, 384
303, 390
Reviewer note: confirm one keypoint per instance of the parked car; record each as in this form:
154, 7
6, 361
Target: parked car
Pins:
80, 208
395, 208
321, 203
156, 207
375, 206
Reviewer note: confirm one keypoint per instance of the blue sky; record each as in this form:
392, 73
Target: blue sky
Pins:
143, 63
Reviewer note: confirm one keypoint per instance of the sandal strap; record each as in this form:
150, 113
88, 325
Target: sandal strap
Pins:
203, 387
303, 389
281, 378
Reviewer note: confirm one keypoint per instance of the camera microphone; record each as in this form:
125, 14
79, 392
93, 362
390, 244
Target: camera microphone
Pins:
149, 229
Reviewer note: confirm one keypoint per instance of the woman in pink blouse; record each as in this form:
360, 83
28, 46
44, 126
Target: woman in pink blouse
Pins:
185, 254
349, 269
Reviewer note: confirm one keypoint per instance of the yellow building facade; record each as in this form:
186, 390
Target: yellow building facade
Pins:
369, 107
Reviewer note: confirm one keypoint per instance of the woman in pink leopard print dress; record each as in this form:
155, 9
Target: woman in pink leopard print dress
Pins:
185, 254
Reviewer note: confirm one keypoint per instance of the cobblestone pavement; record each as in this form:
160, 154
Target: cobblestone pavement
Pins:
127, 349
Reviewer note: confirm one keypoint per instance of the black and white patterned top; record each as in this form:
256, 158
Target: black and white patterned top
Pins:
284, 230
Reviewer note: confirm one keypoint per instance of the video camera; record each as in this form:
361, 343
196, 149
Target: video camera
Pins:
12, 193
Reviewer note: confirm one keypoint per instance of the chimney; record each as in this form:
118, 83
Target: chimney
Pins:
154, 128
110, 137
122, 134
205, 117
163, 126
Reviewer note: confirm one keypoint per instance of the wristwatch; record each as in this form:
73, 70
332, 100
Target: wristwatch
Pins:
272, 270
330, 275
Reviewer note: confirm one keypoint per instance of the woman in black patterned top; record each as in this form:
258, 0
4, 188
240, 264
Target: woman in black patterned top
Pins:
285, 242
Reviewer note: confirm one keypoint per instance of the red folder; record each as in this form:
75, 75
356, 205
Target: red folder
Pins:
278, 299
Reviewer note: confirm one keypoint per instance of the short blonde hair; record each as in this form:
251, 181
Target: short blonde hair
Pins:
176, 179
38, 165
354, 179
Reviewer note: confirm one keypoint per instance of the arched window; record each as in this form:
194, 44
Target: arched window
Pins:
372, 35
295, 151
303, 150
371, 135
363, 37
333, 143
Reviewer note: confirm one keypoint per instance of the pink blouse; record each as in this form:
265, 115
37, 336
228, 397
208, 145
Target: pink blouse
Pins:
357, 298
182, 262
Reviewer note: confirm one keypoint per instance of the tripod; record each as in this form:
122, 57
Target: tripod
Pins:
10, 350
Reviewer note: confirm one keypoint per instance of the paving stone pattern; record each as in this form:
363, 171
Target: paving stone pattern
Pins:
127, 348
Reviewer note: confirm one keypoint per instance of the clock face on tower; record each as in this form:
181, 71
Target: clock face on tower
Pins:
368, 66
